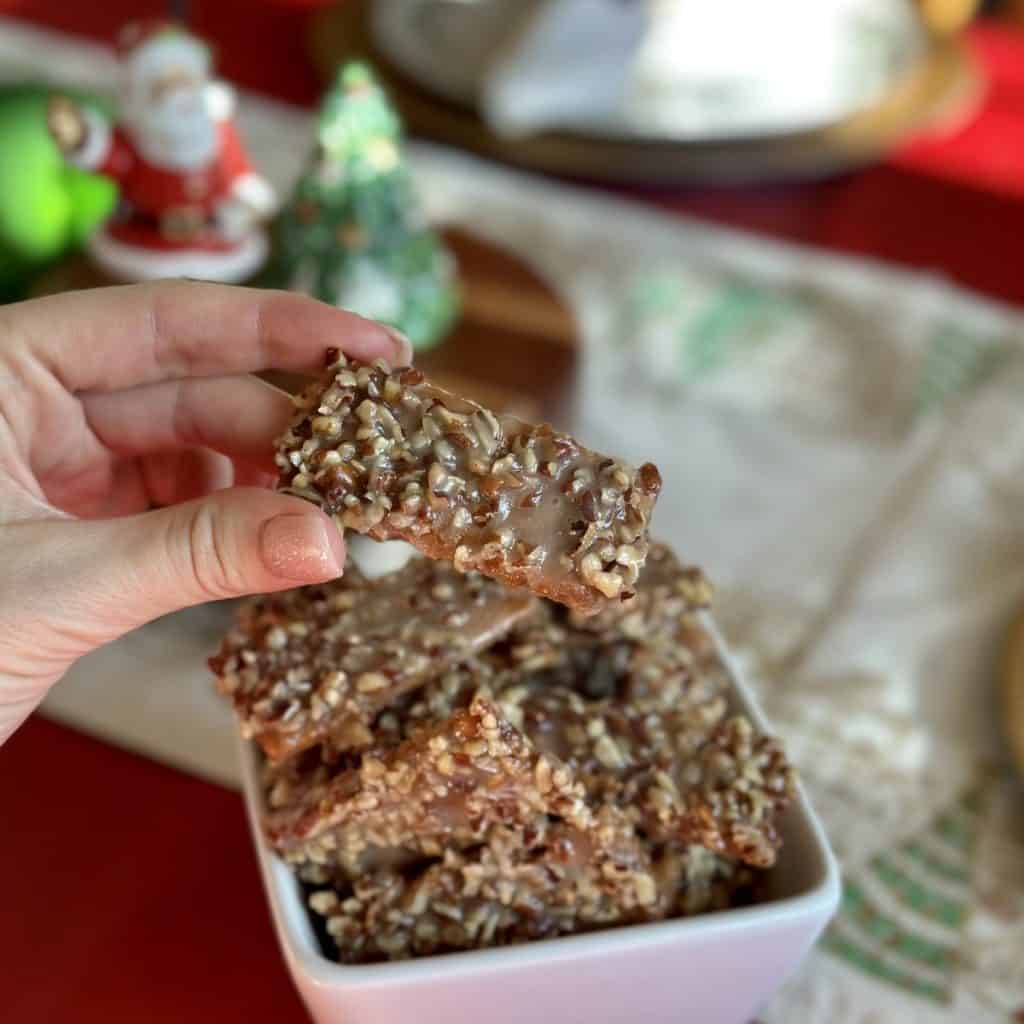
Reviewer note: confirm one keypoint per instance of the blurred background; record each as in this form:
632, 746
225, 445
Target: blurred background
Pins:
758, 94
774, 247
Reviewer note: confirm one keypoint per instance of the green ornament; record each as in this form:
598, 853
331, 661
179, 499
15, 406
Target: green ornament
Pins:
46, 207
353, 233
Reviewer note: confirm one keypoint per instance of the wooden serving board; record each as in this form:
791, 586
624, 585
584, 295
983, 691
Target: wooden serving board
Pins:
513, 347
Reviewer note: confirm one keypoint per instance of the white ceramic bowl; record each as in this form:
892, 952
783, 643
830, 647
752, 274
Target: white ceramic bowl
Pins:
713, 969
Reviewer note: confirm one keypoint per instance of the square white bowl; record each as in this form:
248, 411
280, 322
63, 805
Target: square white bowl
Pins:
716, 968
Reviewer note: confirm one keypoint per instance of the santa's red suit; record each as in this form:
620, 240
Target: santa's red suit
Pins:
176, 216
155, 197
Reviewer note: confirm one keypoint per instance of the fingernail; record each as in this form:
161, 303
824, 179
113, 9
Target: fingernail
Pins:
306, 549
403, 347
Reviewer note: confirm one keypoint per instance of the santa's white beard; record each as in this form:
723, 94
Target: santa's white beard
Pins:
176, 134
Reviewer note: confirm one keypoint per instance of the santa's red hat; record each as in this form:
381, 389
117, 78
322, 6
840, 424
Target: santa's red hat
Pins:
152, 47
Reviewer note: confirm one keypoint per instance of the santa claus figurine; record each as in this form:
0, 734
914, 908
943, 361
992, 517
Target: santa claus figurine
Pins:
191, 204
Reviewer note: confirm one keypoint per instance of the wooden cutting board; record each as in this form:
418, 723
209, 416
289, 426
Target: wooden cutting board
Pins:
513, 348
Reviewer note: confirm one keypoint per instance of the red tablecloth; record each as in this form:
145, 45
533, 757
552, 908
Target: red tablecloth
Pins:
130, 891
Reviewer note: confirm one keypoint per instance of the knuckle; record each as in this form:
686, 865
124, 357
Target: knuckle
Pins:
213, 570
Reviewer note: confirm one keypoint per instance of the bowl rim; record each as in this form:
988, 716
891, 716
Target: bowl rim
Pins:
817, 899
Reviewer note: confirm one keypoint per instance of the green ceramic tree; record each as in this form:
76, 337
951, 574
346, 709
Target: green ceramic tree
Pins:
352, 232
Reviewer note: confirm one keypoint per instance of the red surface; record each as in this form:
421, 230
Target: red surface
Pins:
130, 891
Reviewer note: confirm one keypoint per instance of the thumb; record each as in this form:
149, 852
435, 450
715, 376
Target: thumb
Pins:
85, 582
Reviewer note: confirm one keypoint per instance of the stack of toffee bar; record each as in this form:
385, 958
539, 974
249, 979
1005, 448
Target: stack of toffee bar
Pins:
529, 736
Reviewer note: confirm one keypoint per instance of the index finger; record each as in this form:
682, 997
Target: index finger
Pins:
105, 339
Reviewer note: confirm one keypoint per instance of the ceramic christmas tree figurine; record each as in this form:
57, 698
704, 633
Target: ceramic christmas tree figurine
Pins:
190, 203
352, 233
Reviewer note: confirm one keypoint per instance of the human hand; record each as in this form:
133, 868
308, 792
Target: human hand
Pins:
116, 400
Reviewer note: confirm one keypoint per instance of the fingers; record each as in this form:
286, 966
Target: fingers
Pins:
236, 416
112, 338
171, 477
72, 585
164, 478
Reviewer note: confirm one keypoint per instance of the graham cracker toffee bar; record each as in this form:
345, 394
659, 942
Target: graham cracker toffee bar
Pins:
462, 773
390, 455
318, 663
688, 773
505, 890
666, 592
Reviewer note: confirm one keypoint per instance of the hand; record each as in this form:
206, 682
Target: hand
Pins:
116, 400
66, 123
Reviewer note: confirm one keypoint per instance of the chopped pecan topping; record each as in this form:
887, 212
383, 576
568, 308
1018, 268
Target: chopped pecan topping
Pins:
390, 455
320, 662
462, 765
